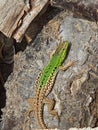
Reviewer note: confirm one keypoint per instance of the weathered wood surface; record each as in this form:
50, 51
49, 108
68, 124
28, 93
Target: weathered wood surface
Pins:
36, 7
85, 8
10, 14
16, 16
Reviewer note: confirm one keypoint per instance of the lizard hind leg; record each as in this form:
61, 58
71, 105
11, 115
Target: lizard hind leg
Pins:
31, 102
51, 110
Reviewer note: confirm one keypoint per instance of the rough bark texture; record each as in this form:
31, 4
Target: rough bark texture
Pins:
76, 88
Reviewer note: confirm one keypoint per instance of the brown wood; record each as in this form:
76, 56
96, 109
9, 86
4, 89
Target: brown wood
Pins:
16, 16
10, 13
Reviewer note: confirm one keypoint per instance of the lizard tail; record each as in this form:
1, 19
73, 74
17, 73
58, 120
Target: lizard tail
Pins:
40, 118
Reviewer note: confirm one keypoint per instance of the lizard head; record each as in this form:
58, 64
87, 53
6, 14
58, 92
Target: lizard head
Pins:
61, 51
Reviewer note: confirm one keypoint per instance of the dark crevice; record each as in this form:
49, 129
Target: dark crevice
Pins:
5, 70
2, 98
6, 66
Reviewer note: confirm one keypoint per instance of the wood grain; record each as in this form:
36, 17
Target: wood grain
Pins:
16, 16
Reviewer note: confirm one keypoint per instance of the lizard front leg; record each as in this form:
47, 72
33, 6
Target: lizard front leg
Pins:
65, 67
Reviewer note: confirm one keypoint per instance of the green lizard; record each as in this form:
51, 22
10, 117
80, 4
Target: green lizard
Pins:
45, 81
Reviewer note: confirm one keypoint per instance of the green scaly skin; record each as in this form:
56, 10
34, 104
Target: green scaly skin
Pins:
44, 84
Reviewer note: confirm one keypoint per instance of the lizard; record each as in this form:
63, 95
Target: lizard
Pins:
45, 82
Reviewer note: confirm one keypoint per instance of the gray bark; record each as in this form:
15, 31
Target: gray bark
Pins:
84, 8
